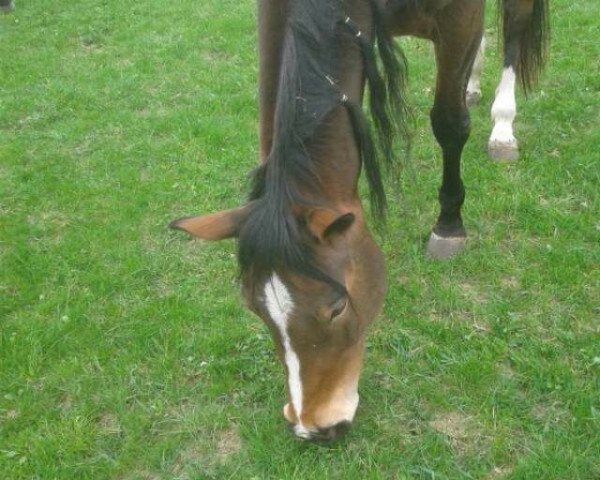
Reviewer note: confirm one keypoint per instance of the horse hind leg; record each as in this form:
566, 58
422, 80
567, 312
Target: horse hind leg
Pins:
524, 30
503, 145
474, 84
455, 48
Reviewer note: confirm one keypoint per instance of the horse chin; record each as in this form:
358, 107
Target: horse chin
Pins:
333, 422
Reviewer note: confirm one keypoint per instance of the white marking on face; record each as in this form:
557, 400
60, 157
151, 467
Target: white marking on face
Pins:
474, 85
504, 109
343, 405
280, 306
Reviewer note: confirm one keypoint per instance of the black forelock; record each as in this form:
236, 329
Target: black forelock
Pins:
271, 237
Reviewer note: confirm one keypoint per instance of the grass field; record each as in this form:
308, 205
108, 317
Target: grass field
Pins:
125, 352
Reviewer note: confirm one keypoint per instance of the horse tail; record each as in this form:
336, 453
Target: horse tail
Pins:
526, 22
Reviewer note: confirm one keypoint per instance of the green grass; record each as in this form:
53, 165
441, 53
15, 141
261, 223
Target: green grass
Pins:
125, 352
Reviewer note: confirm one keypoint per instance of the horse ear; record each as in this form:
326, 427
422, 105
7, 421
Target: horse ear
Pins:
324, 223
216, 226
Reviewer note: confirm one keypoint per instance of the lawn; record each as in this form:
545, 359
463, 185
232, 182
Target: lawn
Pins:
125, 351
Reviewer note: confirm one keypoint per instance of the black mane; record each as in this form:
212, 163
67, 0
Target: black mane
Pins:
307, 94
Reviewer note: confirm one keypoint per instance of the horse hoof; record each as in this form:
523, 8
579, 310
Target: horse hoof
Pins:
444, 248
503, 151
7, 8
473, 98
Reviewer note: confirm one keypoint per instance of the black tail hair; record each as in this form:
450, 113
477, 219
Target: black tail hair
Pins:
533, 41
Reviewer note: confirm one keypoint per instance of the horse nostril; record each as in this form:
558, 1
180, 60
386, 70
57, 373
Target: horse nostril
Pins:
334, 432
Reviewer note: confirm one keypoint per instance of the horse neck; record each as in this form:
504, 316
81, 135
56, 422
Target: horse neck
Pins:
335, 155
334, 148
313, 78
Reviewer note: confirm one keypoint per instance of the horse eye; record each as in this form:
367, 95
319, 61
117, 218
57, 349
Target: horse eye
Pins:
338, 308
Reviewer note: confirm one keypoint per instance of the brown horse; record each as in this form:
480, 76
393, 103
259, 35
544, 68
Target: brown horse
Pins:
309, 266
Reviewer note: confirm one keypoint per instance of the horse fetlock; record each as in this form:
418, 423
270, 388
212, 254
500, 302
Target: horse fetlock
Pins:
473, 97
7, 6
503, 145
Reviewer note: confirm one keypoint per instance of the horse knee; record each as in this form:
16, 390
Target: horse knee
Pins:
450, 127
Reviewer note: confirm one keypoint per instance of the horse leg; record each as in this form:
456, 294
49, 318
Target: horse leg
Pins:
456, 45
474, 85
503, 145
271, 27
525, 32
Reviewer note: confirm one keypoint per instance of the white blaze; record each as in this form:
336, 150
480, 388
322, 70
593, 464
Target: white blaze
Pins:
504, 109
280, 305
